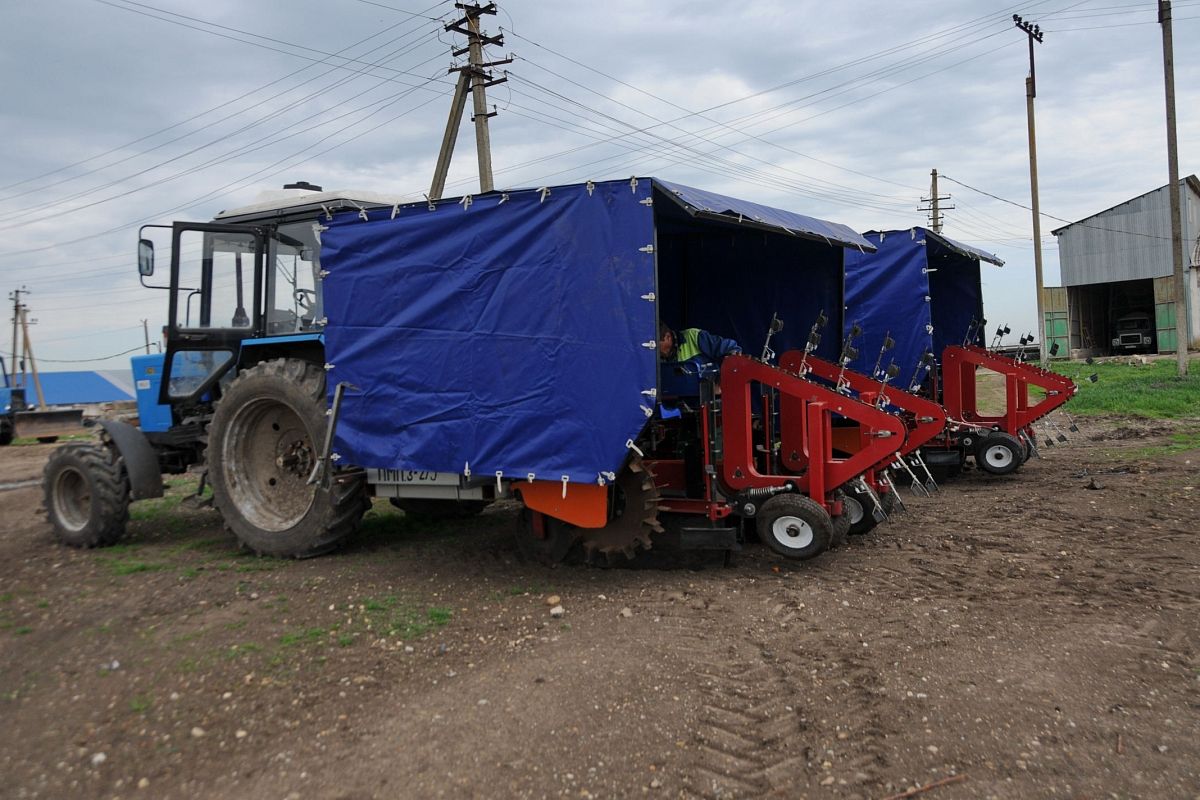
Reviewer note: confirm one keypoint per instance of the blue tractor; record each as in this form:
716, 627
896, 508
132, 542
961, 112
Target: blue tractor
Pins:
238, 393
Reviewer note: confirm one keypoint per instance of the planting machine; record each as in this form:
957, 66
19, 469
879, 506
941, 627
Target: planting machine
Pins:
324, 348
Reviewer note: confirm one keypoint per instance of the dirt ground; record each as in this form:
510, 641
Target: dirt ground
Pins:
1029, 636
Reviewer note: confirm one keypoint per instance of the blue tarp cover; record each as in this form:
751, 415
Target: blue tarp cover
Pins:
891, 292
698, 200
508, 334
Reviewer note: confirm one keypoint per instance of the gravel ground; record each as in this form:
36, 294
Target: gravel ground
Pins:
1026, 636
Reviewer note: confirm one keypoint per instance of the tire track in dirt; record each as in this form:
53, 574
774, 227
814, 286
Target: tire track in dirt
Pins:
773, 715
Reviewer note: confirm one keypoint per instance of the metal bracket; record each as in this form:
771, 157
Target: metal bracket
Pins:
321, 471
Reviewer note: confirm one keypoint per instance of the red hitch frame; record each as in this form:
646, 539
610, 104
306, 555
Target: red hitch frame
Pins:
806, 411
959, 366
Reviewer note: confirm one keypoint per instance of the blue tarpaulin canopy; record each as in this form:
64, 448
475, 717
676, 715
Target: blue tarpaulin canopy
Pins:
921, 288
516, 332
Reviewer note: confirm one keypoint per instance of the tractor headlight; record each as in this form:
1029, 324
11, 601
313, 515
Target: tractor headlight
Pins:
1145, 340
1116, 342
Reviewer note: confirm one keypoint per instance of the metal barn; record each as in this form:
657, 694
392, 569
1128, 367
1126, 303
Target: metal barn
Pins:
1117, 293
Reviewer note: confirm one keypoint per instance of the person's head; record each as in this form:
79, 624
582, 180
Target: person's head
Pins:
666, 340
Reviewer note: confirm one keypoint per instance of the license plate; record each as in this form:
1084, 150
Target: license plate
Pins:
412, 476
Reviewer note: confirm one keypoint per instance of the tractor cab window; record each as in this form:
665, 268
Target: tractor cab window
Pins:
293, 284
216, 280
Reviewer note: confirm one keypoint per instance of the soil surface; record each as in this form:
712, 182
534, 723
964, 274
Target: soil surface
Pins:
1027, 636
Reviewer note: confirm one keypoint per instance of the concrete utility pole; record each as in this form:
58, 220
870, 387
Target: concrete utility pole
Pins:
15, 296
1034, 32
476, 77
934, 209
1181, 304
28, 354
146, 333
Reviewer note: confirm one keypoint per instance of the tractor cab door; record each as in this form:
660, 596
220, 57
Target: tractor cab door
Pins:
216, 301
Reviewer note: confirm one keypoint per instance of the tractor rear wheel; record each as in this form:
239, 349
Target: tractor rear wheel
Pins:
794, 526
6, 431
999, 453
262, 448
87, 495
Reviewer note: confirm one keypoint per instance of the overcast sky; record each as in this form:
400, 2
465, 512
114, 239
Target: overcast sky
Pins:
119, 113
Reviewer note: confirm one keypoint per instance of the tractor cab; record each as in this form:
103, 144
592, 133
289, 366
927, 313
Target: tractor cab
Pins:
240, 287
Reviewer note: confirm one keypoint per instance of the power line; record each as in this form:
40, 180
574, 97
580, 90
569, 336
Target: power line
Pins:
90, 360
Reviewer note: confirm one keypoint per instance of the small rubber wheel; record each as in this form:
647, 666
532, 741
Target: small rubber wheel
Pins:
859, 508
439, 509
556, 544
794, 526
87, 495
999, 453
841, 523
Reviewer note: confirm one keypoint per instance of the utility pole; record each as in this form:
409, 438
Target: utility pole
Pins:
1034, 32
146, 333
15, 296
475, 77
28, 354
1181, 304
934, 209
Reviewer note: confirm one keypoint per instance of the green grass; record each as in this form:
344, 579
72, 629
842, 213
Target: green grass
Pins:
1153, 391
392, 616
303, 637
140, 704
1181, 442
125, 566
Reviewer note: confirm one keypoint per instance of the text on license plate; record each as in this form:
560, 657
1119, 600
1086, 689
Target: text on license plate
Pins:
412, 476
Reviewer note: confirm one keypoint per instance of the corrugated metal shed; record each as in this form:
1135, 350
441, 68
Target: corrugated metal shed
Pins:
81, 388
1129, 241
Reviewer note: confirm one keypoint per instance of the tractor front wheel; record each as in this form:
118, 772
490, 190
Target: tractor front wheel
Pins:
794, 526
86, 495
262, 448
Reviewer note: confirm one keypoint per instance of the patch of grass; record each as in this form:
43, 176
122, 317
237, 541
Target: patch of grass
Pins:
302, 637
24, 630
394, 617
122, 566
140, 704
42, 603
345, 640
1181, 441
1152, 391
236, 651
7, 597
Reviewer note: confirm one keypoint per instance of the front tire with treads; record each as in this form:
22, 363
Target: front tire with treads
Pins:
263, 444
87, 495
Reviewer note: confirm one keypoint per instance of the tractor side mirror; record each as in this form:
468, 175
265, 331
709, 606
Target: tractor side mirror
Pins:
776, 325
145, 258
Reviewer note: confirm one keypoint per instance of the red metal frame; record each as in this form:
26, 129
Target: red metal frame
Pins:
806, 412
924, 418
959, 365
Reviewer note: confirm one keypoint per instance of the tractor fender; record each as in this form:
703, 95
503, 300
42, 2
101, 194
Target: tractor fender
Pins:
141, 462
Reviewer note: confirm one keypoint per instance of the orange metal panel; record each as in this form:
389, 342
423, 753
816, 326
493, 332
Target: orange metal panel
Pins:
585, 506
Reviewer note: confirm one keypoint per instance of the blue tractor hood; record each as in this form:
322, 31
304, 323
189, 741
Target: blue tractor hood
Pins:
515, 333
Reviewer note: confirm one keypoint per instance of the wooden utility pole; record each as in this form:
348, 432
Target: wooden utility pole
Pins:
1034, 32
146, 333
1181, 303
28, 354
476, 77
934, 209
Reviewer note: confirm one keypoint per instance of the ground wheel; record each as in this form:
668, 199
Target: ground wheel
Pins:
860, 511
86, 495
439, 509
262, 448
794, 526
544, 539
840, 527
999, 453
